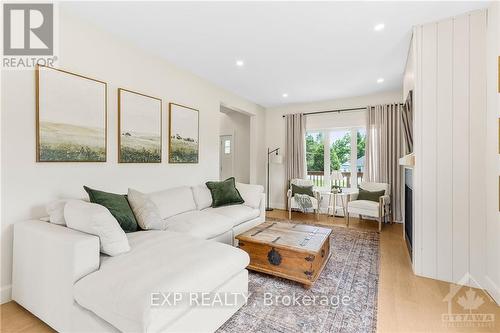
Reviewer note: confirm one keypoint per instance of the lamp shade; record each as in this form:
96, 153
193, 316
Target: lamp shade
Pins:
337, 175
277, 159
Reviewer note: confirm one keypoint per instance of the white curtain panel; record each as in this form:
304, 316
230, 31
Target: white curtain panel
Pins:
384, 147
295, 147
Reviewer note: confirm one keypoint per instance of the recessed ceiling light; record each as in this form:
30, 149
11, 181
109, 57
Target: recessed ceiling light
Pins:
379, 27
240, 63
285, 95
380, 80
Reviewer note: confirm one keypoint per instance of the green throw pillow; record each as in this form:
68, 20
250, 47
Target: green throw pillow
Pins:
224, 193
296, 189
368, 195
118, 206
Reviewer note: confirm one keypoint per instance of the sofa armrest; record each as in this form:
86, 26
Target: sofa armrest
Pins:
47, 260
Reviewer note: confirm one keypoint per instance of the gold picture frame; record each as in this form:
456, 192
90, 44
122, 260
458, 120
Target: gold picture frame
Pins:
143, 146
60, 140
182, 147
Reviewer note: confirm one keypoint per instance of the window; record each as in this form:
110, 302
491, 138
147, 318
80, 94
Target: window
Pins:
315, 157
346, 154
340, 150
227, 147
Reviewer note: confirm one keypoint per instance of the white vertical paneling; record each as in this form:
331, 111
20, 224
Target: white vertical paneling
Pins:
460, 165
477, 140
449, 141
428, 155
444, 188
418, 241
492, 159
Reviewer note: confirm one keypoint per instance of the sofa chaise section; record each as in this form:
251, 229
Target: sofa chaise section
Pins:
161, 263
60, 276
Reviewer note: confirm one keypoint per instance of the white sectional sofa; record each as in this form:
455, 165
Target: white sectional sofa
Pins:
61, 277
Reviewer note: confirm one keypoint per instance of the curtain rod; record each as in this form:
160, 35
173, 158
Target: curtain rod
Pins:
330, 111
337, 110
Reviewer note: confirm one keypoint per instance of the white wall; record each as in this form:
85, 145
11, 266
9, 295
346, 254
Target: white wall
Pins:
27, 186
238, 125
492, 181
275, 129
449, 145
409, 75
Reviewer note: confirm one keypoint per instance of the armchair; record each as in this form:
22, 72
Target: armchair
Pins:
292, 203
379, 210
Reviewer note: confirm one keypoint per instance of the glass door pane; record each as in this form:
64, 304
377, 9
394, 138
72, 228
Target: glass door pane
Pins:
315, 153
340, 153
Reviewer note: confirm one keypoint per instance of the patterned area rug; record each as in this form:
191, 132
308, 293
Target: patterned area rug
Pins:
343, 299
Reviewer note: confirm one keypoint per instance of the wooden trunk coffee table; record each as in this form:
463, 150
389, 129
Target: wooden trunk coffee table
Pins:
296, 252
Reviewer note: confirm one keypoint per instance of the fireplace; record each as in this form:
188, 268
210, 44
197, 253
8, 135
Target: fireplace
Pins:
409, 209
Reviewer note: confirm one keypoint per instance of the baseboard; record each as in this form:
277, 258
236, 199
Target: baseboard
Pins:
5, 294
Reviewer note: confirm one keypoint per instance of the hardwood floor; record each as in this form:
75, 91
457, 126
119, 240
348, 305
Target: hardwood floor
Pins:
16, 319
406, 303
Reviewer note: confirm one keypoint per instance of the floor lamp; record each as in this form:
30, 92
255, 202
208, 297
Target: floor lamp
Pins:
278, 159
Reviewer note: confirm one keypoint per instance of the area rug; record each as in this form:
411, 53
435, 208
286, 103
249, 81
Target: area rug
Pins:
343, 299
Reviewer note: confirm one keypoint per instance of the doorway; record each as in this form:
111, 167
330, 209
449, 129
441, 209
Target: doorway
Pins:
234, 145
226, 156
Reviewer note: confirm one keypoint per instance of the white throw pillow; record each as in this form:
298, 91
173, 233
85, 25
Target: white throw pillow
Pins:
173, 201
55, 209
146, 212
96, 220
202, 196
251, 194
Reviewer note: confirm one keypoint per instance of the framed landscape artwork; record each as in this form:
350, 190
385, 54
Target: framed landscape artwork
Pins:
139, 127
71, 117
183, 141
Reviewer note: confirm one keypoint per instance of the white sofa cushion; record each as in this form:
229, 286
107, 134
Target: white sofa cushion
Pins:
173, 201
200, 224
236, 213
55, 209
250, 193
146, 212
202, 196
96, 220
159, 261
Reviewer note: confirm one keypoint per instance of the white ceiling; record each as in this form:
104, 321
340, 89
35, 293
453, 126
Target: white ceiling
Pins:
310, 50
